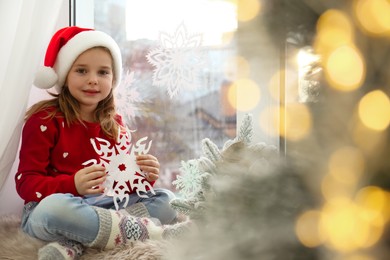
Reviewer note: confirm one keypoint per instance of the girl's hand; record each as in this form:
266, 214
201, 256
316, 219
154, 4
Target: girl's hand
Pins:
149, 165
89, 179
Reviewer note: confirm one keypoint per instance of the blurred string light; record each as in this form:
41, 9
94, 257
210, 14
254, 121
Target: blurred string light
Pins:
356, 256
373, 16
247, 9
278, 115
374, 110
296, 121
334, 29
244, 94
290, 90
347, 164
343, 63
332, 187
269, 120
350, 219
292, 121
345, 68
346, 224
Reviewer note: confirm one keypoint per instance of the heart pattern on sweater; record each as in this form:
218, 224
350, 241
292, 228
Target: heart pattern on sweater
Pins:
43, 128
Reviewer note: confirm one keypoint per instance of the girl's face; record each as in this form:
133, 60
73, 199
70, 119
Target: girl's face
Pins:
90, 78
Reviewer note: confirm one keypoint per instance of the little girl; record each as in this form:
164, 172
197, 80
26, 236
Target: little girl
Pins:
63, 202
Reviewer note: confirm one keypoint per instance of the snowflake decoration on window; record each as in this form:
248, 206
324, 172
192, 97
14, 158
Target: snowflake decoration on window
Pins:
123, 174
177, 60
128, 97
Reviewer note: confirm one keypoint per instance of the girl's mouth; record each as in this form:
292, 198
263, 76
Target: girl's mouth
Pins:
91, 92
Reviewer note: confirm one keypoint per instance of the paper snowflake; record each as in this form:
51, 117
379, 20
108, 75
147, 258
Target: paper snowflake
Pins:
128, 98
123, 174
177, 61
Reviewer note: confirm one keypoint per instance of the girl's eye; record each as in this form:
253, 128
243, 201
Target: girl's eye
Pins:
104, 72
81, 70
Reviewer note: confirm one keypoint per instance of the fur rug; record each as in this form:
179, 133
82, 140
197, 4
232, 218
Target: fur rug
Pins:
16, 245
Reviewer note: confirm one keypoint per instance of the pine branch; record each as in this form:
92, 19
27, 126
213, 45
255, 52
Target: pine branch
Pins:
246, 129
181, 206
206, 165
211, 150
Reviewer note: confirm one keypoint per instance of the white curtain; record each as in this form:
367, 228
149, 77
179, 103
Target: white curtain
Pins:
25, 29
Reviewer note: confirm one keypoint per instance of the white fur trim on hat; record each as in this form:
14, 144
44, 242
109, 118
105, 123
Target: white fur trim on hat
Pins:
48, 77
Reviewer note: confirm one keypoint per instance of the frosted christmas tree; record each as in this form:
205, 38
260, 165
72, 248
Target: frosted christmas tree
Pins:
194, 183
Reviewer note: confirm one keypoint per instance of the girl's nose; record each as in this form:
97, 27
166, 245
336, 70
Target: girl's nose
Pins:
93, 80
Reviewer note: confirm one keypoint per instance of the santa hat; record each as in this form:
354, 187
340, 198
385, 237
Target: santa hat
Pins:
64, 48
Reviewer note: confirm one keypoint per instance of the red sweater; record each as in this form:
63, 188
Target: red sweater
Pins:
51, 153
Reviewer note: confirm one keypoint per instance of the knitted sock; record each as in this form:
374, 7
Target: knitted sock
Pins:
138, 210
63, 250
117, 229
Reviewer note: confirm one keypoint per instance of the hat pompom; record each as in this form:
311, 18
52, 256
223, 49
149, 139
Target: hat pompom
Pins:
45, 78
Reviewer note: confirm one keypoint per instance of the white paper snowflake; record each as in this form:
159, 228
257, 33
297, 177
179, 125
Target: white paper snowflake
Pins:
177, 61
128, 97
123, 174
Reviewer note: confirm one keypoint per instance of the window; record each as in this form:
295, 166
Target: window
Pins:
181, 61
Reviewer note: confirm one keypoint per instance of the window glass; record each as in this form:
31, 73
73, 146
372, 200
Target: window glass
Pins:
180, 64
176, 73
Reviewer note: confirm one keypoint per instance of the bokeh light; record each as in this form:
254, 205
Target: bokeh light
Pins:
356, 256
339, 224
374, 110
332, 187
347, 164
290, 90
373, 16
298, 121
374, 201
345, 68
334, 29
275, 115
368, 140
350, 223
306, 228
244, 94
247, 9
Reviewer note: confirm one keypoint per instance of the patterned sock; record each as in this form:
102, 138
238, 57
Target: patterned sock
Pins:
63, 250
117, 229
139, 210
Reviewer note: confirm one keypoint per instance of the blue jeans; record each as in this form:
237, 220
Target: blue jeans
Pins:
64, 216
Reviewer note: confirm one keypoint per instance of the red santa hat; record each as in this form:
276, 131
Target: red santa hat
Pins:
64, 48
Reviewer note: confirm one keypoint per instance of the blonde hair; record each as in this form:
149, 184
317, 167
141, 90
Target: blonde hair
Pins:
104, 114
